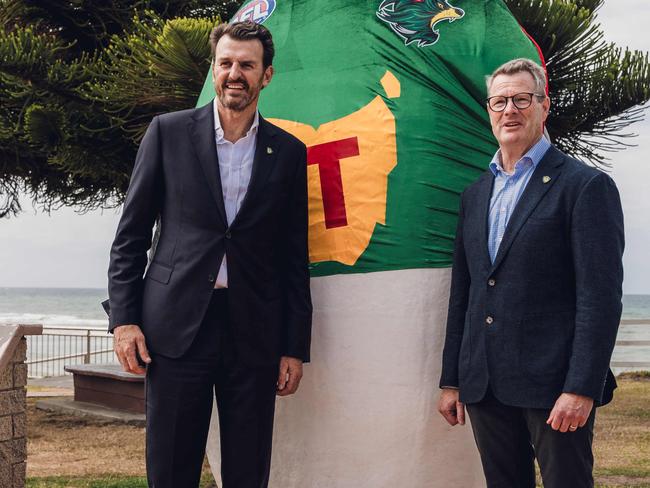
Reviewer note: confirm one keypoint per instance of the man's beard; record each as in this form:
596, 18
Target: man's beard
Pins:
240, 103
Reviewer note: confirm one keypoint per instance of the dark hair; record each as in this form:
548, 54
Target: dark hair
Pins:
245, 31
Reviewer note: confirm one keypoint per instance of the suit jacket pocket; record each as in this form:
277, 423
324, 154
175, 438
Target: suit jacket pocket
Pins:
274, 189
546, 341
159, 272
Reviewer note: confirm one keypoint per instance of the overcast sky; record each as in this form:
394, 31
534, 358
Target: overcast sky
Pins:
70, 250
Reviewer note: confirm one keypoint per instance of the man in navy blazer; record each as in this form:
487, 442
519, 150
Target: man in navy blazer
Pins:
535, 297
224, 307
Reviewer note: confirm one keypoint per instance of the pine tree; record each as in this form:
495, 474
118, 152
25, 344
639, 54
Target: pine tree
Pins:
60, 143
597, 89
80, 81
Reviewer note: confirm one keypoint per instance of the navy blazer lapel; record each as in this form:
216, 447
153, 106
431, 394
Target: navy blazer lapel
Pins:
484, 195
265, 153
541, 181
203, 136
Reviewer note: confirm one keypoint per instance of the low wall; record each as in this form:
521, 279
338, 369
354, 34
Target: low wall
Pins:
13, 403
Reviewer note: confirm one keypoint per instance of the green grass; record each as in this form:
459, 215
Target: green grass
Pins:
624, 485
108, 481
85, 482
628, 472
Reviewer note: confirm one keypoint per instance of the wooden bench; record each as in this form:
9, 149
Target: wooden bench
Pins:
109, 386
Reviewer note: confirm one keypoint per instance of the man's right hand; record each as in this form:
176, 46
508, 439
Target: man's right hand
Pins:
129, 339
450, 407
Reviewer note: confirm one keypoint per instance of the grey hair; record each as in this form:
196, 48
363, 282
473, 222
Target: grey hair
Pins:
518, 66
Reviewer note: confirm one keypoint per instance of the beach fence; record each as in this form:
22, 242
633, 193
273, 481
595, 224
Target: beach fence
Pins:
57, 347
632, 351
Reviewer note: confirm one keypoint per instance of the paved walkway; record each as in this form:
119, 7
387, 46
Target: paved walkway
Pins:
55, 386
62, 387
82, 409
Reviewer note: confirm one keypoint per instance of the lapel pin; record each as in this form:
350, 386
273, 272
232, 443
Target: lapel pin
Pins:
546, 179
269, 150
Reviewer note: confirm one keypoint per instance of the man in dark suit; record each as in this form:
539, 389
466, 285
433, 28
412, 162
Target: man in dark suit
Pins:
535, 297
224, 305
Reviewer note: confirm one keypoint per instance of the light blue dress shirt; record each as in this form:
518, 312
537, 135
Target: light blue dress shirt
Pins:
507, 190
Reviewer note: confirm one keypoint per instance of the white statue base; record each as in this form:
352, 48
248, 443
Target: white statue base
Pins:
365, 415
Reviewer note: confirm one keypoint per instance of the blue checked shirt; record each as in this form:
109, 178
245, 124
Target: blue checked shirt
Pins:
507, 189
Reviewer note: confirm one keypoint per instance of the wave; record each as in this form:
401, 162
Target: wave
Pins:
48, 320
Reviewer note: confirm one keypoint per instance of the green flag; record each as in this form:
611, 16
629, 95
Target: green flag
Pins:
389, 98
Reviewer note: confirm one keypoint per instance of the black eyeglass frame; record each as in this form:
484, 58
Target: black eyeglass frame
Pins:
529, 103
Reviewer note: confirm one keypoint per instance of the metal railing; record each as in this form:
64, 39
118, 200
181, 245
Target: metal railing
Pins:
57, 347
633, 365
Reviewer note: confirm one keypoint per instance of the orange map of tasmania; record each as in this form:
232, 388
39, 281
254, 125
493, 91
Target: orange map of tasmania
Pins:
348, 163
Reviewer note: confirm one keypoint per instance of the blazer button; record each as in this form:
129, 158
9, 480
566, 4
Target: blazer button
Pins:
489, 320
492, 282
211, 278
228, 235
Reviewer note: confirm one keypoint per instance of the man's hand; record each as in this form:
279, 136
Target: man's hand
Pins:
289, 375
127, 341
450, 407
570, 412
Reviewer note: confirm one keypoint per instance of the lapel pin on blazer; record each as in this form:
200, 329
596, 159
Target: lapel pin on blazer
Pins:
269, 150
546, 179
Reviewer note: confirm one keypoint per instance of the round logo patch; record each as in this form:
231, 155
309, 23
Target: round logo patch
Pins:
255, 11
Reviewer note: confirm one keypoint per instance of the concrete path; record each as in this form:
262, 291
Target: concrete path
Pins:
71, 407
55, 386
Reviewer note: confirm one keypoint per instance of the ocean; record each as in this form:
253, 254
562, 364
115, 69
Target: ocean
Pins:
53, 307
64, 307
636, 307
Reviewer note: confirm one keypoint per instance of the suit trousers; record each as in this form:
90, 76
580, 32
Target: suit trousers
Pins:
179, 399
510, 438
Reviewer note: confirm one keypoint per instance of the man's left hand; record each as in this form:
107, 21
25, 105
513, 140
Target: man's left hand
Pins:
570, 412
289, 375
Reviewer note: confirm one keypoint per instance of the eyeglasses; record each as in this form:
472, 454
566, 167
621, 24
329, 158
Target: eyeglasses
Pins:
520, 100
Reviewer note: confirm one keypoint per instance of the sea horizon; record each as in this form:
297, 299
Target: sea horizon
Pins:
81, 306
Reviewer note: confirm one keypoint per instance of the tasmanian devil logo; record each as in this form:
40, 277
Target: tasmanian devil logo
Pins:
348, 163
415, 20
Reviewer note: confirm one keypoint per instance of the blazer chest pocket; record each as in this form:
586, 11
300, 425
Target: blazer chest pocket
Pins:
275, 189
544, 220
550, 231
159, 272
546, 342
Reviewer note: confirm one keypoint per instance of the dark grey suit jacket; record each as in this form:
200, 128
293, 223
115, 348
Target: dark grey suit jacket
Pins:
176, 176
543, 318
